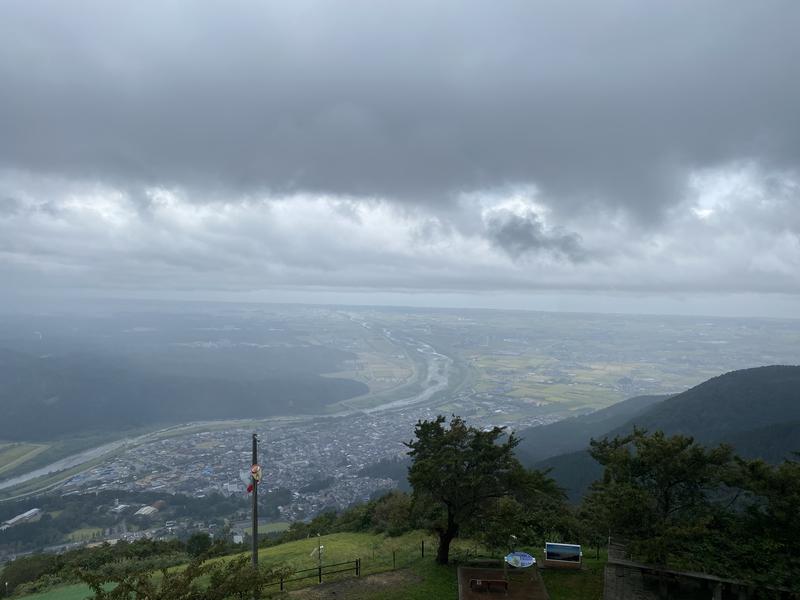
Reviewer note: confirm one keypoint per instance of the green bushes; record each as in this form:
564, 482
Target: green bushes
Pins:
390, 514
701, 509
30, 568
40, 571
199, 580
42, 584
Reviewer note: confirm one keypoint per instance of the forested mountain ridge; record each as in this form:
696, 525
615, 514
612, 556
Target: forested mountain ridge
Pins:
540, 443
757, 411
729, 404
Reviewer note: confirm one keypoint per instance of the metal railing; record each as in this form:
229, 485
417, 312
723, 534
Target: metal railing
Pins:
353, 566
385, 559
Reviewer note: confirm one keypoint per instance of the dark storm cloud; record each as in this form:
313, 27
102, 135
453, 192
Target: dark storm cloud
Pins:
522, 235
594, 102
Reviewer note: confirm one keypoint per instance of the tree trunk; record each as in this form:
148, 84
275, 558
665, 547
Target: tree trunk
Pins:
445, 537
443, 553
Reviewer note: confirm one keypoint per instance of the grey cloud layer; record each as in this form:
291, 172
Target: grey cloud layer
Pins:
597, 103
418, 146
736, 236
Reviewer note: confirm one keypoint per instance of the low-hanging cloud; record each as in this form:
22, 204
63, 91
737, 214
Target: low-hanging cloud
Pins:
732, 235
524, 235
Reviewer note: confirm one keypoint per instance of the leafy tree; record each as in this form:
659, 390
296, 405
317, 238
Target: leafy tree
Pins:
323, 523
657, 489
392, 513
458, 473
237, 579
198, 544
762, 539
357, 517
593, 523
30, 568
43, 584
231, 579
534, 512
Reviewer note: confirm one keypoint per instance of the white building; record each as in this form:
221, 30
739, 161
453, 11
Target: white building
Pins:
146, 511
28, 516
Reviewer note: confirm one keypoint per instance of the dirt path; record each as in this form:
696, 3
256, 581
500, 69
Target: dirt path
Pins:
523, 584
355, 588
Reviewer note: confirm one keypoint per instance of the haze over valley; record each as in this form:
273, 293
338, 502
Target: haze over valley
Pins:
334, 391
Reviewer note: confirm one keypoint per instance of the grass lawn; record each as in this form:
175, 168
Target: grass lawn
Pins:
416, 578
435, 582
375, 551
586, 584
422, 581
66, 592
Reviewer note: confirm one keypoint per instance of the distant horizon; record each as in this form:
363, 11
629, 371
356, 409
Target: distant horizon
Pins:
729, 306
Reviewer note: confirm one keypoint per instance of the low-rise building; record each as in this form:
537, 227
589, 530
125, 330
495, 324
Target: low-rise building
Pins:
29, 516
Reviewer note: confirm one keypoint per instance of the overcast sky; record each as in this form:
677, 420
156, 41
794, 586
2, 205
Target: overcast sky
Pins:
615, 155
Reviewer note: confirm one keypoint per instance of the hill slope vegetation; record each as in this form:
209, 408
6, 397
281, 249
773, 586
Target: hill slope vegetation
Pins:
757, 411
540, 443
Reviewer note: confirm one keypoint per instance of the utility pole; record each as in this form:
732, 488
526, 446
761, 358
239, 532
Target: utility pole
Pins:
255, 475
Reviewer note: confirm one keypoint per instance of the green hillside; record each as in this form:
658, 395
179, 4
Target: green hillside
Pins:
418, 578
757, 411
539, 443
730, 404
772, 443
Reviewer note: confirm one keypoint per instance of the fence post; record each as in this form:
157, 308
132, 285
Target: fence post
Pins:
423, 548
358, 567
281, 582
394, 559
319, 569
